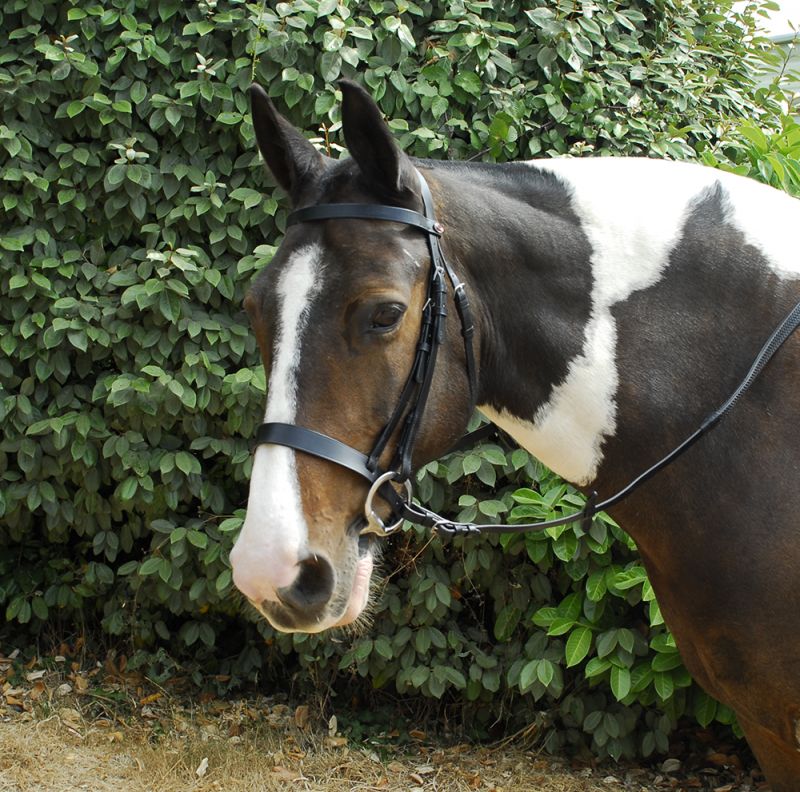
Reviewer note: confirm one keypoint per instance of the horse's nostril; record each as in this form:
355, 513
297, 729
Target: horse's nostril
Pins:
311, 589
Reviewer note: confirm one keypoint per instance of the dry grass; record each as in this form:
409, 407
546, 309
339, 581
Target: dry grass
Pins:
67, 726
64, 754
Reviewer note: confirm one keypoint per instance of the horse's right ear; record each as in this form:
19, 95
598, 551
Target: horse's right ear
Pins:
292, 160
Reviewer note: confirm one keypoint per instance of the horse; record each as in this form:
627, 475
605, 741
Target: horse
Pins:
612, 302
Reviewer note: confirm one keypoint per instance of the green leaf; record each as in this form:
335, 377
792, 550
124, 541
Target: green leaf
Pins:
197, 538
127, 568
593, 720
186, 463
150, 566
705, 708
625, 639
383, 647
39, 607
363, 650
248, 197
577, 646
471, 464
439, 106
470, 82
116, 174
596, 585
506, 623
529, 674
620, 682
545, 671
419, 676
606, 642
138, 92
455, 677
596, 666
662, 682
493, 455
12, 243
128, 488
191, 633
330, 66
561, 625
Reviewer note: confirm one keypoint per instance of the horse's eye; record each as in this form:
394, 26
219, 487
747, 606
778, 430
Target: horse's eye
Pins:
386, 316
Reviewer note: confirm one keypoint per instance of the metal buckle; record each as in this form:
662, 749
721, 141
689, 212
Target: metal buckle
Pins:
374, 523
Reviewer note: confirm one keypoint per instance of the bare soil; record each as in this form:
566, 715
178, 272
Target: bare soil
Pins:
64, 729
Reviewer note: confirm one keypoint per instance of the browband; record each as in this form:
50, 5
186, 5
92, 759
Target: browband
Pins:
349, 211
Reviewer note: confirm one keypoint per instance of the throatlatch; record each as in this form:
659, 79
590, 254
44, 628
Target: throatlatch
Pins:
407, 416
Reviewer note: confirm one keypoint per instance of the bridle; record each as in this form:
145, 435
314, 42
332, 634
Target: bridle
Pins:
410, 408
407, 415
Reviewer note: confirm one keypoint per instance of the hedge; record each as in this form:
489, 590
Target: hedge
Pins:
135, 213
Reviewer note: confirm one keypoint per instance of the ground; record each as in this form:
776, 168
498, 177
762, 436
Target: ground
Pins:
63, 731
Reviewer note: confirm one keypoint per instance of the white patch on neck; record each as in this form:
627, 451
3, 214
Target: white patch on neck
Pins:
633, 212
274, 534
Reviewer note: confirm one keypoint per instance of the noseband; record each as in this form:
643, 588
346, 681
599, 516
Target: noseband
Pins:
414, 396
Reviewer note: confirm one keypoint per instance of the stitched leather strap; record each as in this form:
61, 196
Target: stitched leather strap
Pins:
317, 444
330, 449
346, 211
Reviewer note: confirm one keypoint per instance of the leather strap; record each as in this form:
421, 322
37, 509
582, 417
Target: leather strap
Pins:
347, 211
317, 444
328, 448
445, 527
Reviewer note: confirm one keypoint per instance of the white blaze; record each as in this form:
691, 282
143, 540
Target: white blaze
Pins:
633, 212
274, 534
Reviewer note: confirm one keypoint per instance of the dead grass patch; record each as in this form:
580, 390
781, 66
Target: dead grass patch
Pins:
67, 726
59, 754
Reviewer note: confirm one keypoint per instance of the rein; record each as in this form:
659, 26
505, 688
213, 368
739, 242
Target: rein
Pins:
413, 398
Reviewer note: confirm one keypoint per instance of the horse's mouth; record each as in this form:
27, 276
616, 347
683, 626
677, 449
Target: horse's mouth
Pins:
359, 593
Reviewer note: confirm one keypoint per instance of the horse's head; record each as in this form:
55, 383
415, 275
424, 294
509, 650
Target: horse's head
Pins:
337, 315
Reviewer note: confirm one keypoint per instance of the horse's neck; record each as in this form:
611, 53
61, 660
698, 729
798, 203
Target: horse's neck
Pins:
606, 291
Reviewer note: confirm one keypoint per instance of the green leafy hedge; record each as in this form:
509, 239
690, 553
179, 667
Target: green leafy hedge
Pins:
135, 212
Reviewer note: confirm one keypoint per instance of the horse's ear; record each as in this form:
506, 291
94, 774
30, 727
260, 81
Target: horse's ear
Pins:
371, 144
292, 160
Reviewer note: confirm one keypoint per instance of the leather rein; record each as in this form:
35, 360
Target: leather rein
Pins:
410, 408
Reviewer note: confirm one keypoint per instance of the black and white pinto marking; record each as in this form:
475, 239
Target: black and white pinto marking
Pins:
618, 301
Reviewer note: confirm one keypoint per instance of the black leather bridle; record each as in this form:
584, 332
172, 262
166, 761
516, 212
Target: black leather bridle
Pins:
410, 408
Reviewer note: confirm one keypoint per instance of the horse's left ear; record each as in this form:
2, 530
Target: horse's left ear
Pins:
291, 158
371, 145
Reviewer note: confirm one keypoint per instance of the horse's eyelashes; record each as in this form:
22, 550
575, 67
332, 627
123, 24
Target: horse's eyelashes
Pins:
386, 317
